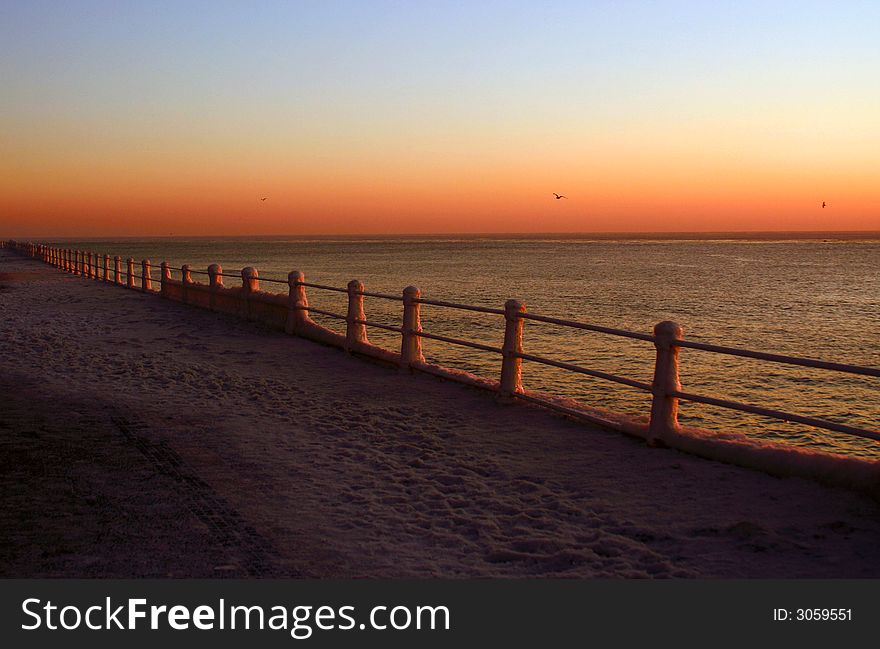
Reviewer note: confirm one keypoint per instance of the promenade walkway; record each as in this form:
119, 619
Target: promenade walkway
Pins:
141, 437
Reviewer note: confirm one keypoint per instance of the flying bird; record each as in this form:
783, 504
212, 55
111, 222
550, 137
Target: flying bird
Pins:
823, 205
558, 196
264, 198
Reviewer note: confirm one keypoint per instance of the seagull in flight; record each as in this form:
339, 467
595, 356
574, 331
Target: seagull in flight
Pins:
264, 198
823, 205
558, 196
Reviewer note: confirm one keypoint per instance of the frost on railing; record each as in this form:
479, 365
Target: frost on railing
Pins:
292, 313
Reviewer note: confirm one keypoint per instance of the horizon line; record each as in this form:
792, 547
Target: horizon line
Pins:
603, 234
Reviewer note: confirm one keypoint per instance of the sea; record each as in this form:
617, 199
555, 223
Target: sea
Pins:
813, 295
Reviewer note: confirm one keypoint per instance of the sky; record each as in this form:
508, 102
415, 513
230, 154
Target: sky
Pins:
154, 118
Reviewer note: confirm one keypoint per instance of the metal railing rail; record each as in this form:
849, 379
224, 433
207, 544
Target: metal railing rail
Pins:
588, 327
583, 370
778, 414
779, 358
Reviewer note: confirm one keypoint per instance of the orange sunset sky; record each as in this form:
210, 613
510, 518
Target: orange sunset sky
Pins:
122, 119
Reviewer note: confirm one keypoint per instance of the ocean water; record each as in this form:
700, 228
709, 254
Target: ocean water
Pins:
812, 295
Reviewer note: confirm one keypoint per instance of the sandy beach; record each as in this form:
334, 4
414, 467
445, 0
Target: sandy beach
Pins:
141, 437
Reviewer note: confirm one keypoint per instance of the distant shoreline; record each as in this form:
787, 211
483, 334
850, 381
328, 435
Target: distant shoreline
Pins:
838, 235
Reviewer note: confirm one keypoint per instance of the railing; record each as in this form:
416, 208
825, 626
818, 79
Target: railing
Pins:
292, 314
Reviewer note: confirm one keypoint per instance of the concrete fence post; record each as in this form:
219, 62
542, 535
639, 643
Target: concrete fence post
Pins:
106, 268
185, 280
411, 342
511, 364
164, 278
215, 282
129, 279
250, 283
355, 332
146, 279
117, 269
297, 303
250, 279
664, 408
